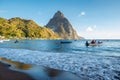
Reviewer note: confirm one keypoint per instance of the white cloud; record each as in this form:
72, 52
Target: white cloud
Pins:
91, 28
82, 14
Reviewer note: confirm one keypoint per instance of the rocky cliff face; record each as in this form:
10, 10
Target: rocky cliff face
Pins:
62, 26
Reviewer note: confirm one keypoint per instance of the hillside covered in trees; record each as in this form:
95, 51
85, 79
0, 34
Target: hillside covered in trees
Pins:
22, 28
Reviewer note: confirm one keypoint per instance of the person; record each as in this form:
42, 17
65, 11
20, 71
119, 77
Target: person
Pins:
87, 44
93, 42
16, 41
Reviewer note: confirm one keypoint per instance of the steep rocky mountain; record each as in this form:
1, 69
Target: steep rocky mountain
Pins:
21, 28
60, 25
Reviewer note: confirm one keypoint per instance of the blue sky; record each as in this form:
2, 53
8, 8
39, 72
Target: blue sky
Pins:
90, 18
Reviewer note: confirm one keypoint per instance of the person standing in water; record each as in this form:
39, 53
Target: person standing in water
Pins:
86, 44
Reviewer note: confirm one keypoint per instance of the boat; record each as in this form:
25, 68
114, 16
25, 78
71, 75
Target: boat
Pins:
95, 44
63, 42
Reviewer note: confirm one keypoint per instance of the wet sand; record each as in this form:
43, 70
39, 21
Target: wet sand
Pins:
12, 70
7, 74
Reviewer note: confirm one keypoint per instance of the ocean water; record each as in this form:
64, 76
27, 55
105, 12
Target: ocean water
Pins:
109, 47
89, 63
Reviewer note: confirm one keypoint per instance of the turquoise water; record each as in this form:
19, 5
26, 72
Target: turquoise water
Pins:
108, 47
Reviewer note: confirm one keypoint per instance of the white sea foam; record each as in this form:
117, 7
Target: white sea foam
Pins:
87, 67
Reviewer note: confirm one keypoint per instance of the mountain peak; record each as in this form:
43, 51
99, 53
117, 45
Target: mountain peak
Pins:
59, 14
60, 25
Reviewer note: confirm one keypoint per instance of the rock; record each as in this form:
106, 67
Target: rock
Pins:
60, 25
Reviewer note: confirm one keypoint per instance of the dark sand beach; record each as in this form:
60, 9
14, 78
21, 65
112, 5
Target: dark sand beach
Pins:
12, 70
7, 74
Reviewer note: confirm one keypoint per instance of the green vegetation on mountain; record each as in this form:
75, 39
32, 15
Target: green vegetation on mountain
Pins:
21, 28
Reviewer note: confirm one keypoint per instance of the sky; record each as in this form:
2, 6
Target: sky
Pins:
91, 19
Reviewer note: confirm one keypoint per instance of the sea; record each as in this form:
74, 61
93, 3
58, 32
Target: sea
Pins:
101, 62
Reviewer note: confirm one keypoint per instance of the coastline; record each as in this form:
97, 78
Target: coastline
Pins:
14, 70
85, 66
6, 73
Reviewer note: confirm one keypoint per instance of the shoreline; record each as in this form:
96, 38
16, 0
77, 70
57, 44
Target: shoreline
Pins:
14, 70
6, 73
81, 65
